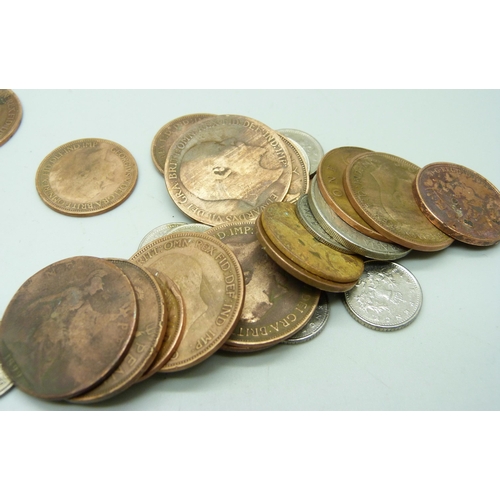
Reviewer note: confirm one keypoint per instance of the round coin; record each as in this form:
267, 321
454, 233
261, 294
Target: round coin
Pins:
310, 145
5, 382
460, 202
67, 327
300, 171
86, 177
158, 232
11, 113
193, 228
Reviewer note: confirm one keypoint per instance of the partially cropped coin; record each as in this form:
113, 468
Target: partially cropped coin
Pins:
159, 231
194, 228
300, 170
311, 146
11, 113
5, 382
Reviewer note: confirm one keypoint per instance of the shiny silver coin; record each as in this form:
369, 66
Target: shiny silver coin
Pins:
5, 382
387, 297
310, 145
193, 228
158, 232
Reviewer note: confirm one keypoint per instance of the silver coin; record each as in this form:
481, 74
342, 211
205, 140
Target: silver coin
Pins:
194, 228
315, 325
348, 236
387, 297
5, 382
311, 146
158, 232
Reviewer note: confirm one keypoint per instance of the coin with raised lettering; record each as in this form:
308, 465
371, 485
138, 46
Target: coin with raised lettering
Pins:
310, 145
300, 170
86, 177
158, 232
11, 113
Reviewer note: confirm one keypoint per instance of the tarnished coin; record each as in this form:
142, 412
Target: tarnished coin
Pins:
460, 202
276, 304
300, 171
387, 297
158, 232
168, 134
67, 327
148, 336
193, 228
211, 283
5, 382
11, 113
310, 145
86, 177
227, 168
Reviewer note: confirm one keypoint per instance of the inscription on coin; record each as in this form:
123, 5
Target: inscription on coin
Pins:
11, 113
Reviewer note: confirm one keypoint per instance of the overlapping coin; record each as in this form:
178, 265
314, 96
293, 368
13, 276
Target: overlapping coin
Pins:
11, 113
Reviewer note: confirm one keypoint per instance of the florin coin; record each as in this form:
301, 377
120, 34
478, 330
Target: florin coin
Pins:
168, 134
227, 168
158, 232
67, 327
211, 283
300, 171
86, 177
310, 145
460, 202
5, 382
11, 113
387, 297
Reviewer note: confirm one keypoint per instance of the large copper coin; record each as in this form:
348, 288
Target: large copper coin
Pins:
300, 171
147, 338
287, 233
11, 113
227, 168
68, 327
211, 283
379, 187
168, 134
460, 202
277, 305
86, 177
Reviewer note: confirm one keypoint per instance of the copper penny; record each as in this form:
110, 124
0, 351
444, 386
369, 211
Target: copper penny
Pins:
68, 327
277, 305
168, 134
227, 168
379, 187
11, 113
211, 283
86, 177
300, 171
460, 202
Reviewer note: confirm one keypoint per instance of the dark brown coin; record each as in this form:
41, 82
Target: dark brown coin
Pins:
68, 327
11, 113
460, 202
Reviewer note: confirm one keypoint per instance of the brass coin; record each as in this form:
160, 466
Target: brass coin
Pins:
67, 327
460, 202
168, 134
300, 171
11, 113
211, 283
227, 168
284, 229
147, 338
276, 304
86, 177
379, 187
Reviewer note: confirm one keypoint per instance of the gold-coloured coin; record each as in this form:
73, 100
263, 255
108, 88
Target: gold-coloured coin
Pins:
168, 134
86, 177
227, 168
379, 187
300, 171
11, 113
68, 327
211, 283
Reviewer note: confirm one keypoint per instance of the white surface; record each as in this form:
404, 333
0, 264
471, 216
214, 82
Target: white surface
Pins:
449, 358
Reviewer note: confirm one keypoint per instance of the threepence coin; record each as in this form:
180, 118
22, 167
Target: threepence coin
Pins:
300, 171
310, 145
158, 232
86, 177
387, 297
11, 113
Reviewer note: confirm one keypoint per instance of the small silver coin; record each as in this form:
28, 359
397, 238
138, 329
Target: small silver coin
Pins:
387, 297
158, 232
311, 146
193, 228
5, 382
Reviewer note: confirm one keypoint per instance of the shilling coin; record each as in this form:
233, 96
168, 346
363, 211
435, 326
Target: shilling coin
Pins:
460, 202
379, 187
168, 134
68, 327
11, 113
310, 145
211, 283
193, 228
5, 382
387, 297
300, 171
158, 232
226, 169
86, 177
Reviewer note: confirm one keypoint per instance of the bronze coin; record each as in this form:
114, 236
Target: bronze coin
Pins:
300, 171
11, 113
211, 283
68, 327
86, 177
460, 202
226, 169
379, 187
276, 305
168, 134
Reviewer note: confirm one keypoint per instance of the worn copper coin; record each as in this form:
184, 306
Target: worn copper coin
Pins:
148, 336
68, 327
211, 283
227, 168
460, 202
11, 113
379, 187
276, 304
168, 134
159, 231
300, 171
86, 177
